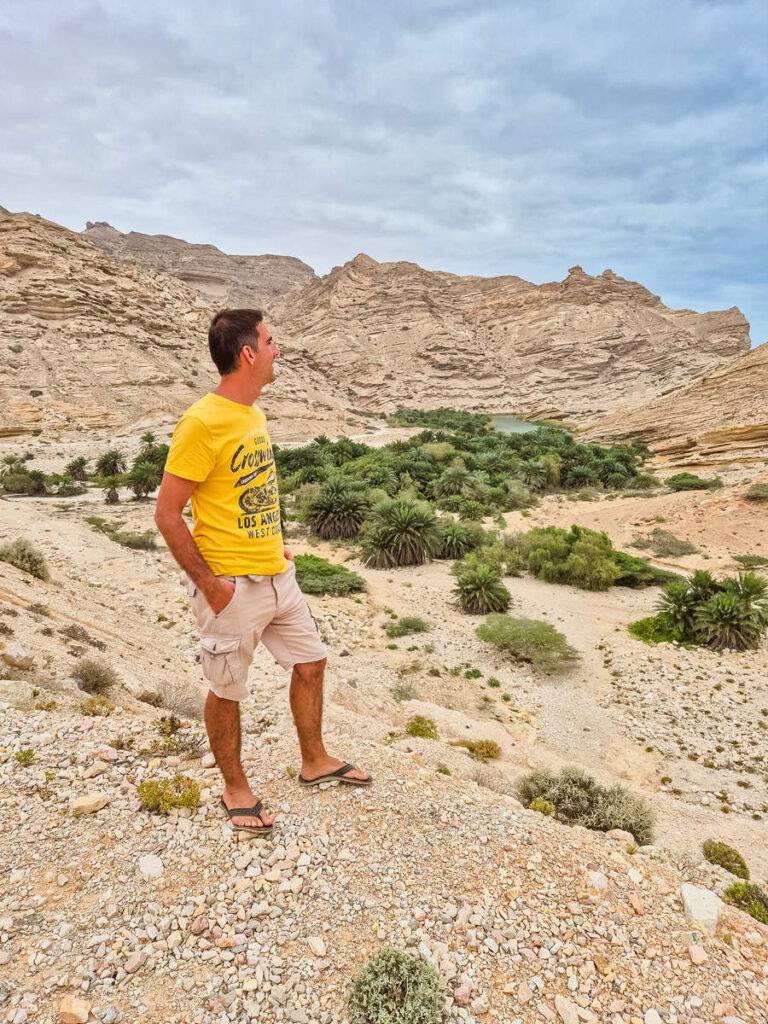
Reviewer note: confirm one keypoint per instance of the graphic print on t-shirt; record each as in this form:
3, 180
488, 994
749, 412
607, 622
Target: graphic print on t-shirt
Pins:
253, 465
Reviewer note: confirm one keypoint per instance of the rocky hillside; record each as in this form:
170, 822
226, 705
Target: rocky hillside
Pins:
394, 334
222, 279
717, 418
90, 342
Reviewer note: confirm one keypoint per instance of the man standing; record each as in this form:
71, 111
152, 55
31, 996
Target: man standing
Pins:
242, 582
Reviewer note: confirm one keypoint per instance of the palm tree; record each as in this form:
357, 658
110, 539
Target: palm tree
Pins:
145, 477
677, 604
452, 481
76, 468
456, 539
337, 511
727, 621
110, 488
532, 473
480, 591
110, 463
402, 532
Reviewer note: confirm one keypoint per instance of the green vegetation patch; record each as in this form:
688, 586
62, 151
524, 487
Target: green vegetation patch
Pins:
727, 857
94, 676
480, 750
317, 575
664, 544
25, 556
127, 539
406, 626
691, 482
422, 727
394, 987
529, 640
579, 800
750, 898
162, 795
757, 492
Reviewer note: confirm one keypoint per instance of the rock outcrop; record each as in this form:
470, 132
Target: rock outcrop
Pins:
92, 342
719, 417
222, 279
394, 334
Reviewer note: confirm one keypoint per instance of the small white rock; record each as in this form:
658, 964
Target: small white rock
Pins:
150, 866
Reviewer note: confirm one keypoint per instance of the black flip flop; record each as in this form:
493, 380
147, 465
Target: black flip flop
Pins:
252, 812
337, 776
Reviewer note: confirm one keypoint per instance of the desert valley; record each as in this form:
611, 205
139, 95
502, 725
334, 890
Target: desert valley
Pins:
644, 427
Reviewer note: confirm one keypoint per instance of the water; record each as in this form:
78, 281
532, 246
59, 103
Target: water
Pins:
512, 425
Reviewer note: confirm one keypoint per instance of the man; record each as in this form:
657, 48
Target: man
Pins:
242, 582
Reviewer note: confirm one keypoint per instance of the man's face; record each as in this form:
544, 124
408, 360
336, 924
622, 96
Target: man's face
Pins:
261, 357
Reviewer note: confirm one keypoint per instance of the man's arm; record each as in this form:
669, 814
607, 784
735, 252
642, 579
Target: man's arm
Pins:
174, 494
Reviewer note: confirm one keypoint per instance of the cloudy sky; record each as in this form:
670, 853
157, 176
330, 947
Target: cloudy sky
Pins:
476, 136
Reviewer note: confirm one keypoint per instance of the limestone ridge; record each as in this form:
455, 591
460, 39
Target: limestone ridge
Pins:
395, 334
92, 343
222, 279
719, 416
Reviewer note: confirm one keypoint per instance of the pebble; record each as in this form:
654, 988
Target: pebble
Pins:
150, 866
88, 804
74, 1010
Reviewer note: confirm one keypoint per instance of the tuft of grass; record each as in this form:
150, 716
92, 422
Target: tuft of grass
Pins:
422, 727
580, 800
750, 561
443, 770
528, 640
162, 795
395, 988
96, 707
406, 626
656, 629
25, 756
128, 539
94, 676
480, 750
691, 482
757, 492
542, 806
664, 544
25, 556
727, 857
402, 692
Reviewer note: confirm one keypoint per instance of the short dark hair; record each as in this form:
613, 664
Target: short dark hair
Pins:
230, 330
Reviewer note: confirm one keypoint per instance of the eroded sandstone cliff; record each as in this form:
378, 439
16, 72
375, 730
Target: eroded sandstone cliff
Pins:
394, 334
222, 279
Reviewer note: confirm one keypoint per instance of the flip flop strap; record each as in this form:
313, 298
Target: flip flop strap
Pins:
344, 770
253, 812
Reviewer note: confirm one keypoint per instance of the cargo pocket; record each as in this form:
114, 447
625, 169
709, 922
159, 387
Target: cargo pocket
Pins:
220, 657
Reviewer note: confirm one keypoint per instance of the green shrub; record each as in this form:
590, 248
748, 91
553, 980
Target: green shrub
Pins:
24, 481
529, 640
664, 544
25, 756
25, 556
456, 540
636, 572
337, 511
727, 857
691, 482
580, 800
145, 476
94, 676
76, 469
67, 487
581, 557
750, 561
750, 898
542, 806
162, 795
395, 988
136, 541
401, 533
725, 620
422, 727
479, 591
757, 492
480, 750
405, 626
317, 575
656, 629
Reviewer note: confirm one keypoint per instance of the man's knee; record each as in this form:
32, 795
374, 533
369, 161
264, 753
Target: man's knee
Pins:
310, 671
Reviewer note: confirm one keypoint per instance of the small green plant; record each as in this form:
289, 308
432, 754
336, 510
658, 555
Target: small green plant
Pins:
317, 575
406, 626
94, 676
757, 492
402, 692
479, 590
664, 544
691, 482
25, 756
750, 898
493, 682
443, 770
422, 727
96, 707
480, 750
395, 988
162, 795
473, 673
529, 640
750, 561
727, 857
656, 629
290, 771
542, 806
22, 553
580, 800
45, 705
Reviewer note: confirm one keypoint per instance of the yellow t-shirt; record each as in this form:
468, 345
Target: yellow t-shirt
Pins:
225, 447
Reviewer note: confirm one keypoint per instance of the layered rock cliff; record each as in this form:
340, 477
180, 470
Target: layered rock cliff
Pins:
222, 279
87, 341
719, 417
394, 334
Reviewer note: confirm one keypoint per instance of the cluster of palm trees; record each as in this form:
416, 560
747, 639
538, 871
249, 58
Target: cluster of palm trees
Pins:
728, 613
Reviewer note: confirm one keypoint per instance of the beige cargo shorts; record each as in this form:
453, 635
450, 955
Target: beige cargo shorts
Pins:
270, 609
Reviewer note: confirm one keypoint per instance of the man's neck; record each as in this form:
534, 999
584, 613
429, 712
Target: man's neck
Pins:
240, 391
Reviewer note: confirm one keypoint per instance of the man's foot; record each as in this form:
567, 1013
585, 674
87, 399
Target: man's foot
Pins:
315, 771
245, 798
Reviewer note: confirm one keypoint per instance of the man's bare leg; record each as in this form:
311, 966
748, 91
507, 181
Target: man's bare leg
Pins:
307, 706
222, 722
